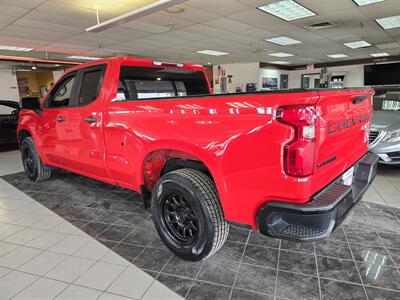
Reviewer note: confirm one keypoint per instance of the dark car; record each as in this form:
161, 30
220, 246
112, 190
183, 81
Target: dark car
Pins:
9, 111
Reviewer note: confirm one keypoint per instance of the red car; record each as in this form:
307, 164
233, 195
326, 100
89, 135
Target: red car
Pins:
289, 163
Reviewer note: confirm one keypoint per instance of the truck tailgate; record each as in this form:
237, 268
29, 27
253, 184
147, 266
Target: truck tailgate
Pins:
343, 124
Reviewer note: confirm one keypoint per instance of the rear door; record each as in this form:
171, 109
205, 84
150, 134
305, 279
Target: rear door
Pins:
83, 140
343, 129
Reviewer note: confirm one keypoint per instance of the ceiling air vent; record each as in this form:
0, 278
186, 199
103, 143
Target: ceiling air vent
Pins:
319, 26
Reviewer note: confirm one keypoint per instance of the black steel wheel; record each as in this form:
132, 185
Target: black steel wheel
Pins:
32, 163
180, 219
188, 215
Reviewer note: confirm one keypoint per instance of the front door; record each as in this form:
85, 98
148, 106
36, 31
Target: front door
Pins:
77, 141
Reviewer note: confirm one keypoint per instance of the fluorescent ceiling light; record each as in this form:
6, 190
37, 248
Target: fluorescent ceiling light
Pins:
389, 22
337, 55
135, 14
365, 2
280, 62
281, 54
212, 52
12, 48
283, 40
382, 54
388, 46
358, 44
288, 10
82, 57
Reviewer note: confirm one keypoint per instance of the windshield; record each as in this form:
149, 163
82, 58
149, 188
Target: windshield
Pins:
388, 101
138, 83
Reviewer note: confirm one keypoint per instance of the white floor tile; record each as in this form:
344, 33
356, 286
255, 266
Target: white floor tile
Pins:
48, 222
108, 296
25, 219
42, 263
70, 269
4, 272
24, 236
100, 275
158, 291
392, 199
46, 240
382, 184
93, 250
14, 282
113, 258
133, 282
18, 257
43, 289
74, 292
6, 231
65, 227
70, 244
6, 248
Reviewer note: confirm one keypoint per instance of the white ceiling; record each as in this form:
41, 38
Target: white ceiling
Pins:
233, 26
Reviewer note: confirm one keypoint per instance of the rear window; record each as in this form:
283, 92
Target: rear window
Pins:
138, 83
91, 83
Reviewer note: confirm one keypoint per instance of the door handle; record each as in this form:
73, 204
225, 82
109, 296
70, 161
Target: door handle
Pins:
60, 119
90, 120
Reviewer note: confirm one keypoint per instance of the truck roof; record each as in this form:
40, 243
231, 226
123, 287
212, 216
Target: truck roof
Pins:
135, 61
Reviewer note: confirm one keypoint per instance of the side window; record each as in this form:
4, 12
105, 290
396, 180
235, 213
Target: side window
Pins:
90, 87
63, 92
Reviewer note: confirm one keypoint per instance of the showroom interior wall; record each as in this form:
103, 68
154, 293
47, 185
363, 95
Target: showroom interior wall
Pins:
354, 75
251, 72
242, 73
8, 87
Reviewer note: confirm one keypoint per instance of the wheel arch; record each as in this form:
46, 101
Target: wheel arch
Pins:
162, 159
22, 134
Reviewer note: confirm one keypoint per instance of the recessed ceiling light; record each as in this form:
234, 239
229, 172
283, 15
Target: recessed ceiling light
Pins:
82, 57
288, 10
175, 9
365, 2
283, 40
12, 48
281, 54
337, 55
389, 22
382, 54
357, 44
280, 62
212, 52
34, 68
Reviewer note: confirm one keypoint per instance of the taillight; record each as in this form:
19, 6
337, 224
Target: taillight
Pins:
299, 153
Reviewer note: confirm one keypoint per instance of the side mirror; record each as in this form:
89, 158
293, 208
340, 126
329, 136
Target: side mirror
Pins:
32, 103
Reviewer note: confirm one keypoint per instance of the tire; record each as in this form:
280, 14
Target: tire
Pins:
187, 198
33, 165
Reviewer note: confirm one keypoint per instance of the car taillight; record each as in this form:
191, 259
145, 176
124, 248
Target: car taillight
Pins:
299, 153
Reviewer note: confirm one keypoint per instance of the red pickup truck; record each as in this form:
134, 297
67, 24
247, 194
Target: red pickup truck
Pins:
289, 163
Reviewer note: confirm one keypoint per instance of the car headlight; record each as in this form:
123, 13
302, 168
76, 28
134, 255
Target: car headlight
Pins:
392, 136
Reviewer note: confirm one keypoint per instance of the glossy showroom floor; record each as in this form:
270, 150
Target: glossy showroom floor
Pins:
75, 238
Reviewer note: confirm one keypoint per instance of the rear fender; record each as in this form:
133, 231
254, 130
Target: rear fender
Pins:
154, 159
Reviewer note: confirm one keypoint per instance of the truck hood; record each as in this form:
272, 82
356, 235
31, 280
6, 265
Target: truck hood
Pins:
386, 120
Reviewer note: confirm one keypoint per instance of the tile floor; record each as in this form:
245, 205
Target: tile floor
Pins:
43, 256
61, 240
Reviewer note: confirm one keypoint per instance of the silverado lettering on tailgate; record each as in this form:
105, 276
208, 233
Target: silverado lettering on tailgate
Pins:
339, 125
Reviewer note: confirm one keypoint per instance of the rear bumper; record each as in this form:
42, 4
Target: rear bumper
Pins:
318, 218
